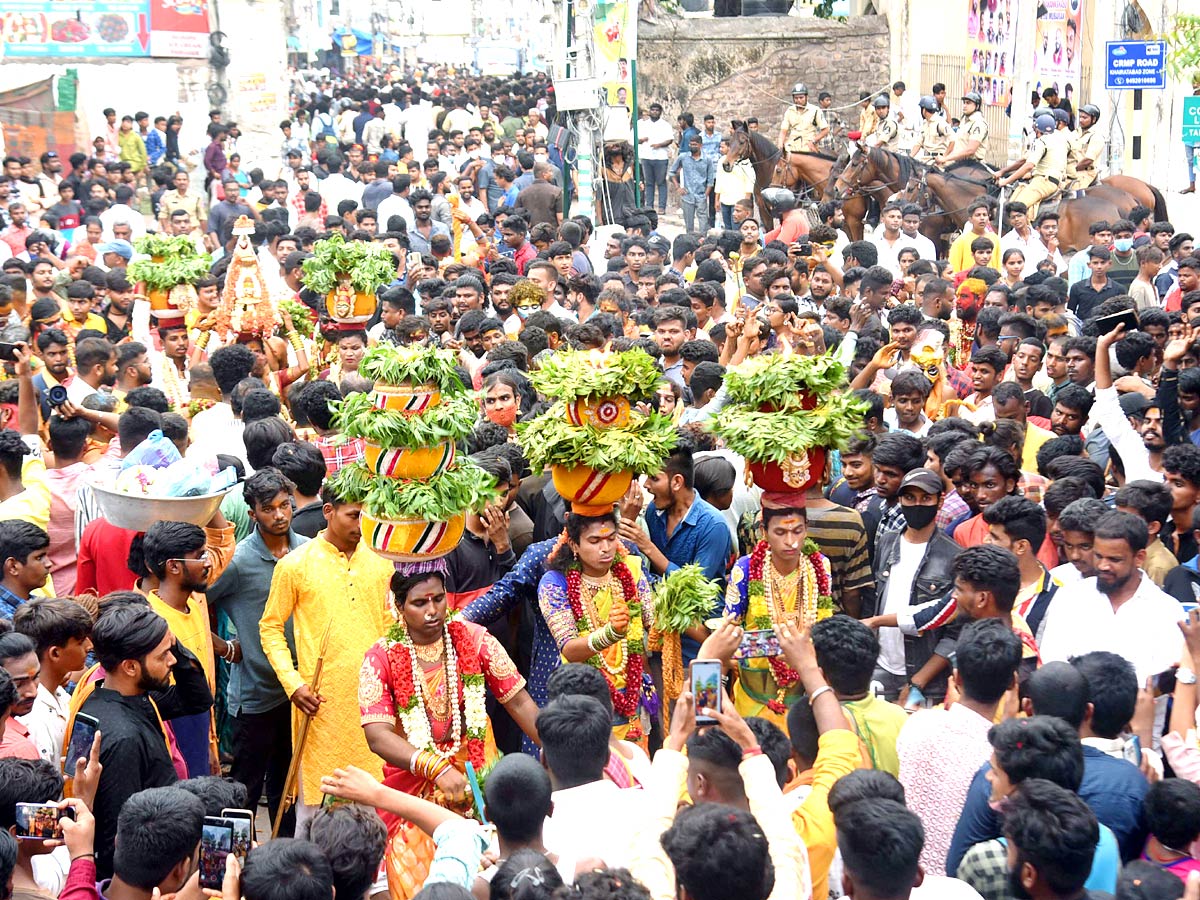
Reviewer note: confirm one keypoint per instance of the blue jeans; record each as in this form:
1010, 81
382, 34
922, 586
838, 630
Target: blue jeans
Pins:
727, 216
1190, 150
654, 174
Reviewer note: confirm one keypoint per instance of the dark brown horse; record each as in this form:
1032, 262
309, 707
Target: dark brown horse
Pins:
772, 167
877, 172
955, 188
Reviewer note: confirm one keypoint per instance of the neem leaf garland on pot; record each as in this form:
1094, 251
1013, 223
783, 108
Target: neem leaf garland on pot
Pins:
784, 412
592, 441
413, 488
348, 273
173, 262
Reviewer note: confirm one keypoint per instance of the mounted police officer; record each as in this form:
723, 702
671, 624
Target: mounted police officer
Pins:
803, 126
971, 140
1045, 164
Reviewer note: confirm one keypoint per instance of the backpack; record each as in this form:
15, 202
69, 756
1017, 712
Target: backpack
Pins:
327, 130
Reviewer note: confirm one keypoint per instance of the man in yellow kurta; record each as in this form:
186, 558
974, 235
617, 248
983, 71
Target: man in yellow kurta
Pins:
332, 581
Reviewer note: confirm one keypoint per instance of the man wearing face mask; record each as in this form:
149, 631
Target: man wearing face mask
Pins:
1124, 267
914, 566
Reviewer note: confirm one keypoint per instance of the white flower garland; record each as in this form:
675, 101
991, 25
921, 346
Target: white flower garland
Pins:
416, 719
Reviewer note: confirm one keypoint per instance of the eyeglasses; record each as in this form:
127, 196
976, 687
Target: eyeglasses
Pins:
204, 557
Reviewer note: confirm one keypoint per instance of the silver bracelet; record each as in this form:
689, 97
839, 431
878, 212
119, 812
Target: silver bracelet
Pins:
812, 698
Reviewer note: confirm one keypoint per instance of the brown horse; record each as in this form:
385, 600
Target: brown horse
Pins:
772, 167
872, 171
955, 188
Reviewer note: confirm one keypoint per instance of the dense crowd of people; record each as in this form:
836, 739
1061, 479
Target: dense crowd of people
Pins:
1001, 702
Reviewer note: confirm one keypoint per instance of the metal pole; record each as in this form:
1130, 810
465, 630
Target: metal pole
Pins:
637, 153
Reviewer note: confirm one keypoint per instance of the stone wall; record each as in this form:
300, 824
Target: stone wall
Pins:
742, 67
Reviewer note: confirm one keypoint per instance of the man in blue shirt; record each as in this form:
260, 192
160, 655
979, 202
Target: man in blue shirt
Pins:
1090, 693
681, 528
262, 715
23, 557
694, 175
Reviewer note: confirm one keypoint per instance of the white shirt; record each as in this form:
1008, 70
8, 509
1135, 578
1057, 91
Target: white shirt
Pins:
596, 819
216, 430
338, 187
1107, 414
654, 132
47, 724
899, 592
920, 243
888, 252
120, 214
79, 390
1034, 250
395, 205
1142, 630
418, 122
940, 887
893, 423
1067, 573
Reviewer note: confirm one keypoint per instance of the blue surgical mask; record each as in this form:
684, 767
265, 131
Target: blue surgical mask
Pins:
1123, 245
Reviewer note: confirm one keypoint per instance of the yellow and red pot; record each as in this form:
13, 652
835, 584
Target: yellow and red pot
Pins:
797, 473
345, 304
584, 487
409, 465
412, 540
599, 412
410, 399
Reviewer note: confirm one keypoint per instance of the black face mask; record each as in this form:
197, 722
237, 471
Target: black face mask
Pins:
919, 517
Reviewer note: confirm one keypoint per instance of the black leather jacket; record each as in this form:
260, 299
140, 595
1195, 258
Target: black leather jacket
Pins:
933, 581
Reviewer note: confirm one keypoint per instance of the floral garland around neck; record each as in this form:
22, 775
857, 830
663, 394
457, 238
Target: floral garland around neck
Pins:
765, 611
173, 385
625, 700
464, 671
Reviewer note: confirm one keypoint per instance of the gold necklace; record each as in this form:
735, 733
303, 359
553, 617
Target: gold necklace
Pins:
429, 652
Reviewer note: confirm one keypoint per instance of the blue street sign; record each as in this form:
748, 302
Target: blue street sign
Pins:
1132, 65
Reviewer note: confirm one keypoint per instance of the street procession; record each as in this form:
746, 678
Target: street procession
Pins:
571, 450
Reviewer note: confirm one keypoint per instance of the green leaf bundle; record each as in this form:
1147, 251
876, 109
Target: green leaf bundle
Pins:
774, 436
460, 488
683, 598
777, 380
392, 364
301, 316
172, 271
369, 266
156, 244
641, 446
450, 420
571, 374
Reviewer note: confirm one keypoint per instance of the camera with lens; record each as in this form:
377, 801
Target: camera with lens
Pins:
56, 396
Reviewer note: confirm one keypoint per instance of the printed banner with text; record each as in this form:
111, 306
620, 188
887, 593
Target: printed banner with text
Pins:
105, 28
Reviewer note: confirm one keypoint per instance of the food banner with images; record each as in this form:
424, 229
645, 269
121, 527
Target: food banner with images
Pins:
615, 25
105, 28
992, 43
1056, 58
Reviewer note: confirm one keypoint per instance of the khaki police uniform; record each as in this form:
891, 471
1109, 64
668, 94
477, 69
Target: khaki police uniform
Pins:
802, 125
935, 138
975, 128
887, 134
1049, 157
1085, 145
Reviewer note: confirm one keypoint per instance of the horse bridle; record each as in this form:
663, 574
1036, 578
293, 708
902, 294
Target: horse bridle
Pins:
857, 188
